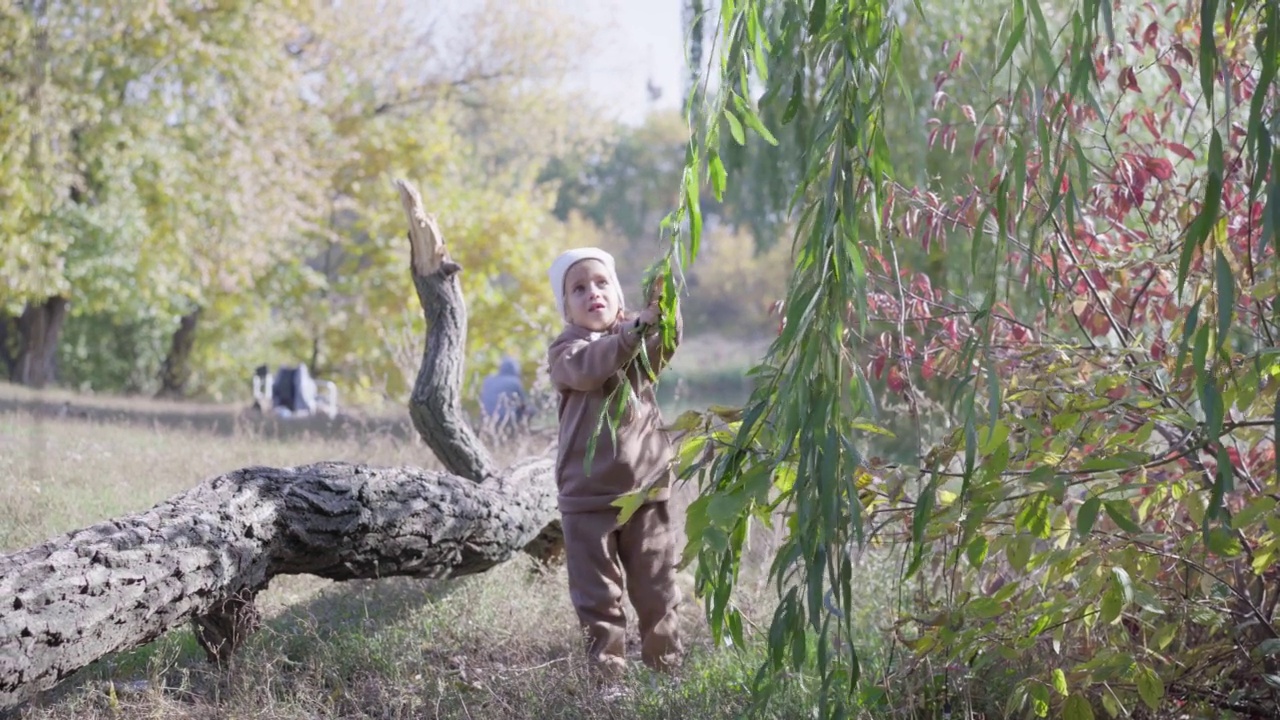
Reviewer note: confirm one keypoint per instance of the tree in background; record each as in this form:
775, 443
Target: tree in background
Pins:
472, 122
153, 154
194, 191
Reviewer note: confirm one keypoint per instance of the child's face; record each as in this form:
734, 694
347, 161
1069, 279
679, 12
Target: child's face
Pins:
590, 297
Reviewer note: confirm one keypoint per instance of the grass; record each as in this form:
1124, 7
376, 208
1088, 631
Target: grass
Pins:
500, 645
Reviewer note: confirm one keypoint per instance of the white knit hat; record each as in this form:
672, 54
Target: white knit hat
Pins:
560, 268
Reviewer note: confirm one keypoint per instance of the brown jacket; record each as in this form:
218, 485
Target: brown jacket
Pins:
585, 368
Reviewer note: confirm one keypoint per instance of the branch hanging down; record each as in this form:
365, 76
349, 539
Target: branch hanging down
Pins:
204, 555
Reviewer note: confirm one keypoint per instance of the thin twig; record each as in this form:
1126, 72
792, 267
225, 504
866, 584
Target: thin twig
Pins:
522, 671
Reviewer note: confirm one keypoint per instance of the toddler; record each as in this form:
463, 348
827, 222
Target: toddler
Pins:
597, 349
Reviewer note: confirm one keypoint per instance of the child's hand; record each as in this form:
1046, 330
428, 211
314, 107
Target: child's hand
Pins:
650, 316
655, 288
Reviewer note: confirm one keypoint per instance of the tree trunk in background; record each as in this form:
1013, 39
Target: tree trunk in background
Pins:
177, 366
39, 328
204, 555
9, 343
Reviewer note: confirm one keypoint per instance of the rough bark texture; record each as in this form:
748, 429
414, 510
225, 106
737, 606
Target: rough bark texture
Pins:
204, 555
435, 404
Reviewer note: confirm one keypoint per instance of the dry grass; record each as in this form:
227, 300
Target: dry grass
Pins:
500, 645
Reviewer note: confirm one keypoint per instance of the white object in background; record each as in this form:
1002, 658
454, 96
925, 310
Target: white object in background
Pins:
328, 403
262, 386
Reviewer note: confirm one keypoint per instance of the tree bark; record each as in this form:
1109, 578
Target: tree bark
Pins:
177, 368
9, 343
435, 404
39, 328
204, 555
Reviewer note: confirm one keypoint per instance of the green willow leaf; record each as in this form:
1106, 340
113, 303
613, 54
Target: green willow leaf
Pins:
1205, 220
1226, 297
1208, 47
1015, 36
1087, 516
735, 127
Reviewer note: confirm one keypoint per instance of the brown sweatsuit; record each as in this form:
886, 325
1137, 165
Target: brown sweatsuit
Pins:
602, 557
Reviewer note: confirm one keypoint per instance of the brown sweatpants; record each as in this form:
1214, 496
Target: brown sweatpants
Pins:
597, 554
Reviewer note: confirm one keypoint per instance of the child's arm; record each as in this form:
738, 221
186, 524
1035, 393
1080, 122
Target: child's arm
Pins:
585, 366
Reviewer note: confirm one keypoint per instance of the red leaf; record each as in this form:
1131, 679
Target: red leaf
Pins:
1126, 119
926, 369
1159, 167
1262, 454
1234, 455
1183, 54
1149, 119
1174, 76
1180, 150
877, 367
1149, 35
1247, 87
896, 381
1128, 80
1098, 324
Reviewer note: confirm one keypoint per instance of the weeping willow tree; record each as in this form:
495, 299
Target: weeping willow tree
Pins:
1091, 496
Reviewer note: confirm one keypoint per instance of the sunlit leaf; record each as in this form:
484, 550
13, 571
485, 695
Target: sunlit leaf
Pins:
976, 552
1150, 688
1060, 681
735, 127
1223, 542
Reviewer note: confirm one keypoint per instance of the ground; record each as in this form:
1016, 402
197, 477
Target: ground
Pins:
499, 645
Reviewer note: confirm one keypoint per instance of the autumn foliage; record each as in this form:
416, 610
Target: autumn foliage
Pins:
1043, 372
1105, 504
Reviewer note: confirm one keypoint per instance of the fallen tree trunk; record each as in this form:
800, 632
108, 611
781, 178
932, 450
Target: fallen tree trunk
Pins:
204, 555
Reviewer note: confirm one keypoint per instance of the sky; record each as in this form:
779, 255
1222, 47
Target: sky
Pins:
638, 42
641, 41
